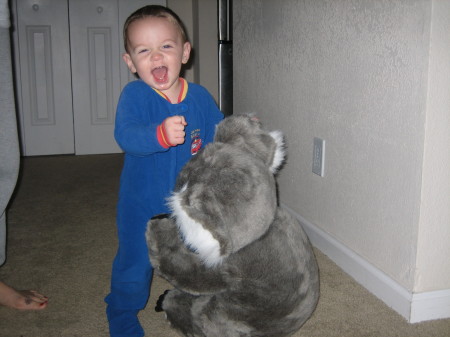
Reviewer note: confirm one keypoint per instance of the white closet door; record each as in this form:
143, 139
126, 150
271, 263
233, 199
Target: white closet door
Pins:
70, 73
45, 101
94, 38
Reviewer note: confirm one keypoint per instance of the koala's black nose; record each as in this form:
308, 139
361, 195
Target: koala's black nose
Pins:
160, 216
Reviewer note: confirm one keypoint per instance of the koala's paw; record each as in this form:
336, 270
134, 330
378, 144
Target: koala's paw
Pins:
152, 236
160, 216
159, 302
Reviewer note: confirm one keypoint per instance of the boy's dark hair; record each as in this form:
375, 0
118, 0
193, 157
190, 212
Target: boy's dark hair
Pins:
154, 11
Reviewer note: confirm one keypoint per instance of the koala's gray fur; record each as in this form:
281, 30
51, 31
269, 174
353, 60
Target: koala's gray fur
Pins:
240, 265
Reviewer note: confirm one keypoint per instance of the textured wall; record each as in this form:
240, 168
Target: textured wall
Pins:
354, 73
433, 257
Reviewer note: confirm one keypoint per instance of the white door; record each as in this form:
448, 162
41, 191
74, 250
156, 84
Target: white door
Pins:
45, 96
98, 72
94, 39
70, 73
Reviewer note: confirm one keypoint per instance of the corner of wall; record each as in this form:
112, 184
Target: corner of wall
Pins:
413, 307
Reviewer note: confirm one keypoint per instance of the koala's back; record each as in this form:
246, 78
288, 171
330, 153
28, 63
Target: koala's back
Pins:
275, 282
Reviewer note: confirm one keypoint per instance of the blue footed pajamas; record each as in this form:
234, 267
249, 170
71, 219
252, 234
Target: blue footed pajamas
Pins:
147, 178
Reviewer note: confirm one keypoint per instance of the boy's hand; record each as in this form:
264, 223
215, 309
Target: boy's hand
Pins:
174, 129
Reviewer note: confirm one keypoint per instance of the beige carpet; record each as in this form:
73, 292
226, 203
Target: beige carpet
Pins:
62, 240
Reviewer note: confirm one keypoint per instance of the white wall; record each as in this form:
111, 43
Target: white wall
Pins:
200, 19
208, 48
433, 251
360, 75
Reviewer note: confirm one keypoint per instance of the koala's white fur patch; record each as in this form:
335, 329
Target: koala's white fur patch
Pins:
280, 152
194, 235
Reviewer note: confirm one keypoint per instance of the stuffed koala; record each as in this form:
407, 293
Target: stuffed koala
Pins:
240, 264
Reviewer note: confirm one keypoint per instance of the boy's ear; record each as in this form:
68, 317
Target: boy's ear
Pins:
186, 52
127, 58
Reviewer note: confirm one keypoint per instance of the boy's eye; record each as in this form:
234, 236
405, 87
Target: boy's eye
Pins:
142, 51
167, 46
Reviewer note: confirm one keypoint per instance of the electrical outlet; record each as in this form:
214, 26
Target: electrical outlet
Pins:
318, 166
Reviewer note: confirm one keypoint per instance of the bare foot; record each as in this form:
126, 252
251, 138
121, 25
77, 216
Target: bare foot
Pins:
21, 299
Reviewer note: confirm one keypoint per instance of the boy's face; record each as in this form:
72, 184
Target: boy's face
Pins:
156, 53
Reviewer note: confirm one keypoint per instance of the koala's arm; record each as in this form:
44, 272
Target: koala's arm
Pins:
177, 264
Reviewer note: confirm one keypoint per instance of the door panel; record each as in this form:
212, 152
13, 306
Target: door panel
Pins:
70, 72
46, 101
94, 34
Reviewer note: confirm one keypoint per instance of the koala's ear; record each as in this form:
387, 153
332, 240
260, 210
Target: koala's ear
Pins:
267, 146
280, 151
246, 133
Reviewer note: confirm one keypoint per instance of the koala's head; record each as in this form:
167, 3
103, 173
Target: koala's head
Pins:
225, 197
246, 133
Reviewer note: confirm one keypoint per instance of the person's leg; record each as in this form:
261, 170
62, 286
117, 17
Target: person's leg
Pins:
9, 141
2, 237
131, 276
9, 165
21, 299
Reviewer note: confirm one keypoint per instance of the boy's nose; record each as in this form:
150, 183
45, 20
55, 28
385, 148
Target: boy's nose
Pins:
156, 55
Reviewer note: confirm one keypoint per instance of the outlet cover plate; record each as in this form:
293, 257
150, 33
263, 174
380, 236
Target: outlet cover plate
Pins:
318, 166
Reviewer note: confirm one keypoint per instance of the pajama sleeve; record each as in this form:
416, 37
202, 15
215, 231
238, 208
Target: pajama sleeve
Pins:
137, 121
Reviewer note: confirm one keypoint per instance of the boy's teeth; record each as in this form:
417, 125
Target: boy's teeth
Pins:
159, 72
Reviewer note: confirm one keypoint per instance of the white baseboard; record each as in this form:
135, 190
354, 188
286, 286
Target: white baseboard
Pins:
430, 305
413, 307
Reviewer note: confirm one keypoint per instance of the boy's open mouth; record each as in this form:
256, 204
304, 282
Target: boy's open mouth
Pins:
160, 74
